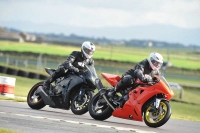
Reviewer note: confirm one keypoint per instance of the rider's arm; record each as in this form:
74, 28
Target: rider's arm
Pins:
68, 63
139, 70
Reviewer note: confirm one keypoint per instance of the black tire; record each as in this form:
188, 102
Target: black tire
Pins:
33, 75
83, 108
3, 69
22, 73
11, 71
106, 110
159, 117
37, 102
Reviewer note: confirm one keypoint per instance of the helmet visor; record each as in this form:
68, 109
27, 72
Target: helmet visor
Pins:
88, 51
156, 63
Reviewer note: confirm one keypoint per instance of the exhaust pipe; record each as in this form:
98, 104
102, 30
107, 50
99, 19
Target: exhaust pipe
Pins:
102, 92
47, 100
108, 102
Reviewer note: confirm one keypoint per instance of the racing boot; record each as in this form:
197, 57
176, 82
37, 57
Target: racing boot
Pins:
115, 89
58, 73
112, 92
46, 85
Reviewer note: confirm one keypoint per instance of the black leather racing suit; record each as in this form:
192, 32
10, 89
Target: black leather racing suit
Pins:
138, 71
73, 63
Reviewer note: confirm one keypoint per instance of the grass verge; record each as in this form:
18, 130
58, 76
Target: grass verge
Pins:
178, 57
184, 111
3, 130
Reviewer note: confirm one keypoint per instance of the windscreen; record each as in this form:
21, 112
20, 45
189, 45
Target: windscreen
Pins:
165, 81
92, 70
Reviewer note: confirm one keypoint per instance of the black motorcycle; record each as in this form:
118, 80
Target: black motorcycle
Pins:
74, 91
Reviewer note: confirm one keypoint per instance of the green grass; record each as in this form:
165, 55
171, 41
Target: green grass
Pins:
180, 58
189, 95
16, 99
3, 130
185, 111
37, 48
183, 81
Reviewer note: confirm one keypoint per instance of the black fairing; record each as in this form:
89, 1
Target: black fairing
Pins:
73, 83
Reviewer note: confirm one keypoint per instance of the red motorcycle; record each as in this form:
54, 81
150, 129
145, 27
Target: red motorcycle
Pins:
148, 102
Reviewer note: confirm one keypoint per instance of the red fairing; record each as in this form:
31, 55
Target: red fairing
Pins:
132, 109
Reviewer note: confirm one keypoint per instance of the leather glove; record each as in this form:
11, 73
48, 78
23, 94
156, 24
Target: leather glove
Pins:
148, 78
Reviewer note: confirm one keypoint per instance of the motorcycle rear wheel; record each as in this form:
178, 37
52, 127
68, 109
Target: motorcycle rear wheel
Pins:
158, 117
97, 111
34, 100
81, 108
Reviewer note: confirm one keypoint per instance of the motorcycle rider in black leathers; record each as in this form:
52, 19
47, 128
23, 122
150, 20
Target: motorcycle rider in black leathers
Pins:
73, 63
144, 70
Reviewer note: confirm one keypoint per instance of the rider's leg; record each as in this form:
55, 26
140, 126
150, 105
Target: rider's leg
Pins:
58, 73
123, 83
46, 84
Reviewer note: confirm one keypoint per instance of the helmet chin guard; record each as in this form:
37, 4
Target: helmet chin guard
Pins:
88, 49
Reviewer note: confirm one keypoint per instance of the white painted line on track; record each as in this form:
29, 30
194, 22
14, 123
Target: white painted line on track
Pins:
84, 123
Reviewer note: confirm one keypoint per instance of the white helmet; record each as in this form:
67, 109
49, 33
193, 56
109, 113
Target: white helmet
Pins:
155, 61
88, 49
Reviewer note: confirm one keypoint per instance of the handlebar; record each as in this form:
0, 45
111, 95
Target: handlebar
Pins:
155, 80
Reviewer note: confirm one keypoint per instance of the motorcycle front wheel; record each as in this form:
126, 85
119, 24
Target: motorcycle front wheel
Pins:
81, 107
34, 100
99, 110
159, 116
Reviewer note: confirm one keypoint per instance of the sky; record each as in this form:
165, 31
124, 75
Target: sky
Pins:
184, 14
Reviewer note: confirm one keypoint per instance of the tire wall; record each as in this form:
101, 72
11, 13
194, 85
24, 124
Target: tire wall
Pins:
21, 73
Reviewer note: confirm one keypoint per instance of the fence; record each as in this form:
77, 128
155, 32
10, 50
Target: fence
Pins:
39, 64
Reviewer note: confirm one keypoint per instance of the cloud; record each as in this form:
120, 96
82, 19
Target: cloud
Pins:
104, 13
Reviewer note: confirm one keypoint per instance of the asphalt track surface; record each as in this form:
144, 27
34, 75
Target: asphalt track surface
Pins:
19, 117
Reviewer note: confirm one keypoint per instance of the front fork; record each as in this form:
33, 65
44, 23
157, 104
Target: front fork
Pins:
81, 94
156, 104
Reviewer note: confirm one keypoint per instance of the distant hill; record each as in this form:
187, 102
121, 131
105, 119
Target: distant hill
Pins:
161, 33
77, 39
